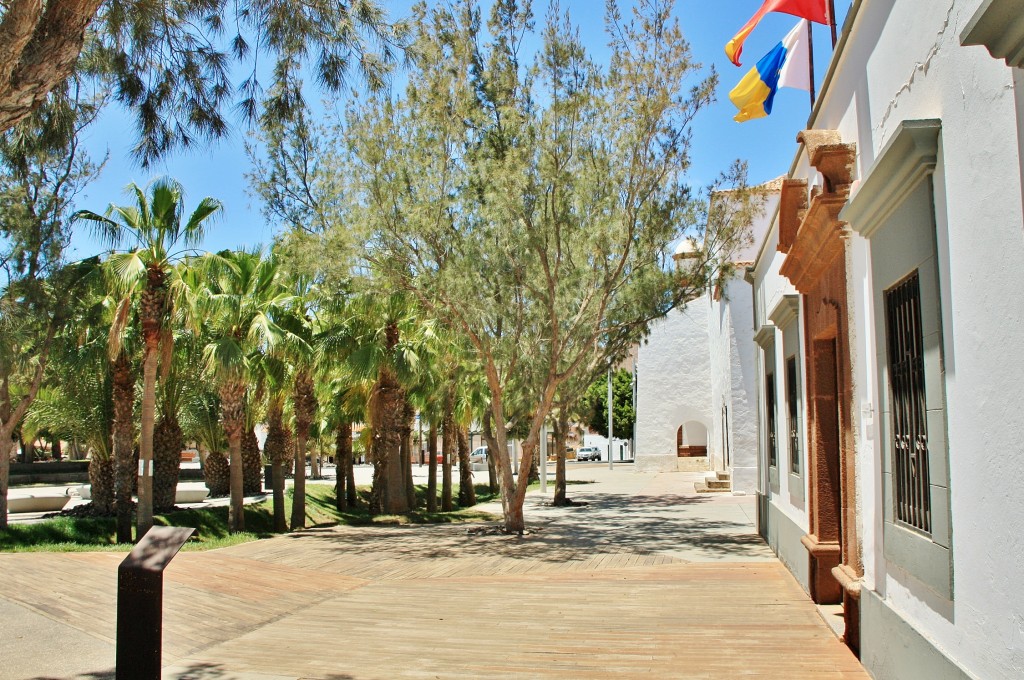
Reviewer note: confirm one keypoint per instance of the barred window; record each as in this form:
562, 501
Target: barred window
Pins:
911, 483
773, 451
794, 423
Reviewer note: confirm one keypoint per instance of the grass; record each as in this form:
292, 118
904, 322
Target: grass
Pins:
80, 534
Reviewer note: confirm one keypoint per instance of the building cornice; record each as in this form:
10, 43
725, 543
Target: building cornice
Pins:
907, 159
820, 237
786, 311
765, 335
998, 25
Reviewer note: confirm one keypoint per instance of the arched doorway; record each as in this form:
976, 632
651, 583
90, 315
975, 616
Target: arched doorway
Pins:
692, 440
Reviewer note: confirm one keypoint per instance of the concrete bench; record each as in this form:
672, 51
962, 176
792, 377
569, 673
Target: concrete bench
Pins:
37, 503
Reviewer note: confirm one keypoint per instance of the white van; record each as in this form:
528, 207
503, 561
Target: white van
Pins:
479, 455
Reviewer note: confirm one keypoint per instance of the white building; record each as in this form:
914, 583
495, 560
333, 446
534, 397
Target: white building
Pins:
696, 378
890, 314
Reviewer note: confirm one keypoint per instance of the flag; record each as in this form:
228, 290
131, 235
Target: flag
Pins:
812, 10
786, 65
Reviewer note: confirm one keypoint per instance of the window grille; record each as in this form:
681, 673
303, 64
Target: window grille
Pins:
794, 425
911, 480
773, 451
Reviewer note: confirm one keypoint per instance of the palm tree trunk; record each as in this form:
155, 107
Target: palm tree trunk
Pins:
410, 489
101, 481
6, 443
167, 444
276, 449
252, 463
350, 474
232, 403
432, 469
342, 457
447, 448
151, 311
123, 394
305, 407
467, 494
299, 482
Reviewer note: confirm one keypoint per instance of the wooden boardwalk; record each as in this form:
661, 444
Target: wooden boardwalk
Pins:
579, 598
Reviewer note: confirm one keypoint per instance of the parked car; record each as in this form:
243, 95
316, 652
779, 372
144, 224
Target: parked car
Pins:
588, 453
479, 455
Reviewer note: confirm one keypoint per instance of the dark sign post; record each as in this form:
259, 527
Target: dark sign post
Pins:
140, 595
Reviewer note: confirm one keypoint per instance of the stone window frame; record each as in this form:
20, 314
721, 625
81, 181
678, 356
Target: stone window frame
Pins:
785, 316
765, 339
906, 166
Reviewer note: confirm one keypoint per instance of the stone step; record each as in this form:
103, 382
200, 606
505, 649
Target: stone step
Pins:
723, 484
723, 474
701, 487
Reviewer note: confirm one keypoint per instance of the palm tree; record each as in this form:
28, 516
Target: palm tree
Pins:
299, 353
391, 341
241, 297
154, 226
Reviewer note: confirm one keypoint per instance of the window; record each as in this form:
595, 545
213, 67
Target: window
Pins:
896, 210
792, 408
773, 449
911, 485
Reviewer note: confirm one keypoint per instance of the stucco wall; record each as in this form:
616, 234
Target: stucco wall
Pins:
731, 344
673, 384
904, 62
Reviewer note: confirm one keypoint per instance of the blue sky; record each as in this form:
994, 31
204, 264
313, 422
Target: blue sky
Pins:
768, 144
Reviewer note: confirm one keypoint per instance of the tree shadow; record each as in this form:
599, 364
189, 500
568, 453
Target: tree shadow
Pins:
605, 524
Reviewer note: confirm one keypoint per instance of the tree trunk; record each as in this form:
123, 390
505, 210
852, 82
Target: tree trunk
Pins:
467, 494
407, 482
410, 489
101, 482
151, 313
342, 458
217, 474
6, 443
304, 400
232, 404
276, 449
39, 49
432, 469
252, 463
350, 474
561, 429
492, 474
167, 444
314, 461
448, 447
123, 392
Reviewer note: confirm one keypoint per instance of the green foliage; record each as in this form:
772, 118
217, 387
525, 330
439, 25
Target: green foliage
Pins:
71, 534
170, 63
595, 407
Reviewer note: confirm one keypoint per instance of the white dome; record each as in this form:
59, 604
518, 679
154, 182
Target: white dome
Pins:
686, 246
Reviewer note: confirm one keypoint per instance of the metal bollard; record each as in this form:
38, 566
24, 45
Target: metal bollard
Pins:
140, 595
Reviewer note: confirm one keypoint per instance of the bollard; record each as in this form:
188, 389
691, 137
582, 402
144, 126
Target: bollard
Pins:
140, 590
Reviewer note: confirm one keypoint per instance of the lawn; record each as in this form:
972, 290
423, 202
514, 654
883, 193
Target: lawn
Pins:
78, 534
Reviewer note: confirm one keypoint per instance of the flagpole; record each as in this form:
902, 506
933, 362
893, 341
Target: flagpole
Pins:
810, 60
832, 20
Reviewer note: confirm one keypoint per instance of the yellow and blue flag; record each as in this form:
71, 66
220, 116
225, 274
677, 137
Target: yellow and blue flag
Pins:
786, 65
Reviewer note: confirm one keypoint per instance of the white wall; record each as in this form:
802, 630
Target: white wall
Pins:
673, 384
888, 74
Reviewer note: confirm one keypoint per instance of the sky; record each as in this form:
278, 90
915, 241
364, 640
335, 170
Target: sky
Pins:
767, 144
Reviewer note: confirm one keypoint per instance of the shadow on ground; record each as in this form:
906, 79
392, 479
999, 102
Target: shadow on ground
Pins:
607, 523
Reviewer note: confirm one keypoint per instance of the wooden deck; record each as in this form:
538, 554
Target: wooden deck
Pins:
570, 601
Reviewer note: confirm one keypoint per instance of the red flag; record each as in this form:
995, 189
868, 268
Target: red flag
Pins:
812, 10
